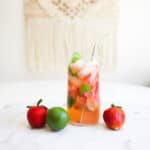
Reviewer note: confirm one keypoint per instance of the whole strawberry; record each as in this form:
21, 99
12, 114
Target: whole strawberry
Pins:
36, 115
114, 117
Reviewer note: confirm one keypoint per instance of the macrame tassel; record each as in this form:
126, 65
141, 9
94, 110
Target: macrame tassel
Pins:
51, 42
54, 29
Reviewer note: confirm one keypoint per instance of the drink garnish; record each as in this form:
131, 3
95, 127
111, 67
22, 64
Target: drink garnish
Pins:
85, 88
70, 101
75, 57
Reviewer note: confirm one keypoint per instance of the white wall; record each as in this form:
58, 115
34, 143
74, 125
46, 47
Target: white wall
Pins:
133, 43
12, 62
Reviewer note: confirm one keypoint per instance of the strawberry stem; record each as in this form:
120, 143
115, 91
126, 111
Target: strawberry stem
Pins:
113, 105
39, 101
38, 104
44, 106
29, 106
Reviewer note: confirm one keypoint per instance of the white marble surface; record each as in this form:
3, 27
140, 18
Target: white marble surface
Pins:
15, 134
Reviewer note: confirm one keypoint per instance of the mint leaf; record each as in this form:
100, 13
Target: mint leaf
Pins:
85, 88
70, 101
76, 56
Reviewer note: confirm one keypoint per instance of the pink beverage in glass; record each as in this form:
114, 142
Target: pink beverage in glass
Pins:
83, 91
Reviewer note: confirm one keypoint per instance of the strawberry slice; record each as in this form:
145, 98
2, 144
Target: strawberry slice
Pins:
80, 101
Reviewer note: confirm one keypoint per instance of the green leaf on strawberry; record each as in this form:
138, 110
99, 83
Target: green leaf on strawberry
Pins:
85, 88
113, 105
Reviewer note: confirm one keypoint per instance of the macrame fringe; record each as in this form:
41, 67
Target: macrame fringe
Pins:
51, 42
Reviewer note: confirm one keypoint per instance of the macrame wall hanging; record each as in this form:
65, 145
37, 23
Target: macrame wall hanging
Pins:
56, 28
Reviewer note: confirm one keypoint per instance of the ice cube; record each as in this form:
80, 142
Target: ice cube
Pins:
92, 63
85, 71
88, 68
76, 67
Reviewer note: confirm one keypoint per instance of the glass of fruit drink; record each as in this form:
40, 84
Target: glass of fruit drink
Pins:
83, 91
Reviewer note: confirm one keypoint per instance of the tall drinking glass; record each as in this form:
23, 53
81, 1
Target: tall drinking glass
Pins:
83, 91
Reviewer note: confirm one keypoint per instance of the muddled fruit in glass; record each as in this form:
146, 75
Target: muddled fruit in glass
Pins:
83, 91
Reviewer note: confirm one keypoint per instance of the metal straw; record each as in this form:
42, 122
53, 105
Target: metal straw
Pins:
82, 110
93, 52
